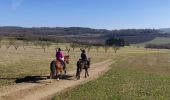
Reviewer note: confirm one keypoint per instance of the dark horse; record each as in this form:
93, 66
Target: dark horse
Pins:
82, 65
56, 67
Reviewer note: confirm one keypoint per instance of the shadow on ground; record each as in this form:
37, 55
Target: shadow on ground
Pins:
35, 79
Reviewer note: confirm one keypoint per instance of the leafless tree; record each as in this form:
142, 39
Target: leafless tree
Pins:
36, 43
25, 43
0, 41
106, 48
67, 49
97, 48
115, 48
16, 45
11, 42
73, 46
89, 47
44, 45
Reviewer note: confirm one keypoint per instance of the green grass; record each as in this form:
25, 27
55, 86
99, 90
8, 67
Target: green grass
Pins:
133, 77
138, 74
157, 40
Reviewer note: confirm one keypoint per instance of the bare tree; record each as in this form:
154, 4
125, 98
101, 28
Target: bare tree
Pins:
106, 48
89, 47
0, 38
0, 41
11, 42
115, 48
16, 45
48, 44
97, 48
44, 44
36, 43
68, 49
25, 43
81, 46
73, 46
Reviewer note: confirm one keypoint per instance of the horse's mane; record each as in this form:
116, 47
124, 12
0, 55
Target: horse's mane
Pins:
66, 56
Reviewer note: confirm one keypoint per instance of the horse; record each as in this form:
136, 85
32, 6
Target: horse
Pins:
56, 67
82, 65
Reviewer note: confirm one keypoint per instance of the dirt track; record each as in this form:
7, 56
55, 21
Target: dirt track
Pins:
45, 89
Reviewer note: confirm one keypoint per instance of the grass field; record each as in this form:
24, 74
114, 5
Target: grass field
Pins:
137, 75
34, 61
157, 40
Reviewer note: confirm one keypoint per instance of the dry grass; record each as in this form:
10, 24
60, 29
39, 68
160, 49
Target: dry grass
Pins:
34, 61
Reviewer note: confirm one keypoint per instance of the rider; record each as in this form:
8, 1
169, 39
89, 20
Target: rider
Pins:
60, 56
84, 56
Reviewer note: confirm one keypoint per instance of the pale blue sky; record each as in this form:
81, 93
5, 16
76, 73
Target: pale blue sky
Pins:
108, 14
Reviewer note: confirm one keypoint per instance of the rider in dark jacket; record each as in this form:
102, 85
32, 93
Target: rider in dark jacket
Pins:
84, 57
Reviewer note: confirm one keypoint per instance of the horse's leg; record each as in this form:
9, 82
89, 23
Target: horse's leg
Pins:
80, 70
65, 70
85, 72
61, 74
57, 74
51, 75
77, 73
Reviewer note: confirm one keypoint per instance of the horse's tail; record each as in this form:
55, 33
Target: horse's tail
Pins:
78, 68
53, 66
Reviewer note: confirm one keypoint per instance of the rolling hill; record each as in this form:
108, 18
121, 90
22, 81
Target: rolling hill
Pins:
133, 36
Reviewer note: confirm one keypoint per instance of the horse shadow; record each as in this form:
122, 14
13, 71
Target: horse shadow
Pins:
31, 79
38, 79
35, 79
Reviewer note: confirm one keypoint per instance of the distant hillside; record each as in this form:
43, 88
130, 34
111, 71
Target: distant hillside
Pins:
156, 41
165, 30
135, 36
60, 31
81, 34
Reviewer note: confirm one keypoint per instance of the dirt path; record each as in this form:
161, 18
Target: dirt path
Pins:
45, 89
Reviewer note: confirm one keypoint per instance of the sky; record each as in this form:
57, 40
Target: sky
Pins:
99, 14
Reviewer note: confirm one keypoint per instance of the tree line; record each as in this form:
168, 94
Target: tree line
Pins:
157, 46
13, 42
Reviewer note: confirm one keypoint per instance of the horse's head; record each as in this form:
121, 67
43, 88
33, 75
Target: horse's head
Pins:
66, 59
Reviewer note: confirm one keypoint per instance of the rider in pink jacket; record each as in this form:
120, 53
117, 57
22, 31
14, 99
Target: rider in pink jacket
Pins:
60, 56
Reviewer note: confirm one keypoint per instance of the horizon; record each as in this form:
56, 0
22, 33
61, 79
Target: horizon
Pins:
83, 27
96, 14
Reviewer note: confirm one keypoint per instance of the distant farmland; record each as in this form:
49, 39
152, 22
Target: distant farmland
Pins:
157, 40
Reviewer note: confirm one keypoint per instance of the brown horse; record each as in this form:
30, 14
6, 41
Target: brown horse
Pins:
82, 65
57, 67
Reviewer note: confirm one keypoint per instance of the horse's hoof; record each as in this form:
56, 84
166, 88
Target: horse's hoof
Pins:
58, 79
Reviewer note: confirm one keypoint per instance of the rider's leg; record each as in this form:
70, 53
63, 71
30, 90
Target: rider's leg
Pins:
63, 64
88, 63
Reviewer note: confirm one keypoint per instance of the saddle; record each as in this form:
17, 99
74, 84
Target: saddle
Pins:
62, 65
86, 63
